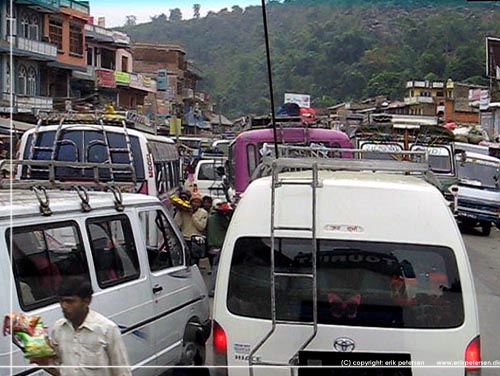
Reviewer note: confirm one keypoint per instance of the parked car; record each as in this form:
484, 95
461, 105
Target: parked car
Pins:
131, 252
345, 265
478, 191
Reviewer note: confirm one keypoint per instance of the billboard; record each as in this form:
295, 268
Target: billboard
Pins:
303, 100
493, 57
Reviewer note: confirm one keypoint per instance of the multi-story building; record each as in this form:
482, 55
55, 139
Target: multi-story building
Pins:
41, 42
109, 77
422, 97
178, 96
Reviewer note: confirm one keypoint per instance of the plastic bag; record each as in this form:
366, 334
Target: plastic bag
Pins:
33, 341
20, 323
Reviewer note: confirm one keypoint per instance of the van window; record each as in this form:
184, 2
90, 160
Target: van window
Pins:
163, 247
42, 256
359, 283
113, 250
85, 146
208, 171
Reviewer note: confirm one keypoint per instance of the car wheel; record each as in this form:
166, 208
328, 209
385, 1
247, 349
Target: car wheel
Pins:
486, 227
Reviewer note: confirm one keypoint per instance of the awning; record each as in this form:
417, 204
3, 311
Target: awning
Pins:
18, 126
71, 67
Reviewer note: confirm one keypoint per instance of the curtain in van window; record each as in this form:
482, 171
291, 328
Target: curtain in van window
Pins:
359, 283
41, 258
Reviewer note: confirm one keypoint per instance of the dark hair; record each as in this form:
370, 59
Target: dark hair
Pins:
204, 198
75, 286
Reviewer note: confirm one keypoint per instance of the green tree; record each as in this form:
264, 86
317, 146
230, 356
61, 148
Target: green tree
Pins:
196, 11
175, 15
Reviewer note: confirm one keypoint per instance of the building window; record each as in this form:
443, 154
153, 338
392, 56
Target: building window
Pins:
76, 40
90, 55
21, 80
33, 28
25, 24
56, 33
124, 64
31, 82
7, 77
10, 20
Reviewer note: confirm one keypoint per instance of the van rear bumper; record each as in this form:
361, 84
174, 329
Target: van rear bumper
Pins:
206, 329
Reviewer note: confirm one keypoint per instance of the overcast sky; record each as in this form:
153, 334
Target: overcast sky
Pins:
116, 11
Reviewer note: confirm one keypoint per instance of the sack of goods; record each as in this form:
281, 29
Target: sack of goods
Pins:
180, 203
29, 334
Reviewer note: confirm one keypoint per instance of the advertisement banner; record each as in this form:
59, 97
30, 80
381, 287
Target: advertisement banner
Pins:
140, 82
303, 100
106, 78
122, 77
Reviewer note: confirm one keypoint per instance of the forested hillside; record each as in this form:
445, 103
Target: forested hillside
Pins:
334, 50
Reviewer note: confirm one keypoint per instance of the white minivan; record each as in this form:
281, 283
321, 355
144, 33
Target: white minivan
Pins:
342, 269
134, 257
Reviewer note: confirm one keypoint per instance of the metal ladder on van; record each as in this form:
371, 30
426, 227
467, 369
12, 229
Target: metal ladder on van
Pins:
34, 147
127, 149
109, 151
277, 182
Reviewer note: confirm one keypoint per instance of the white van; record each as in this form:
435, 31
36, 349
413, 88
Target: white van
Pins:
129, 250
208, 177
368, 267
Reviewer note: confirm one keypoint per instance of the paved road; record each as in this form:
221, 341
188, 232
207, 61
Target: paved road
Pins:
484, 255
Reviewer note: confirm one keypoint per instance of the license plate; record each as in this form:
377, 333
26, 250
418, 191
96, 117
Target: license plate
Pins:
339, 364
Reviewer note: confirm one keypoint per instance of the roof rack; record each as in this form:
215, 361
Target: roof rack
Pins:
52, 182
418, 168
319, 151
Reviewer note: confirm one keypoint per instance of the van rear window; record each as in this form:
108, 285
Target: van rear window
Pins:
359, 283
84, 146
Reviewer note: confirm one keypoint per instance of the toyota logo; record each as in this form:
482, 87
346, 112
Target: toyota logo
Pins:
344, 344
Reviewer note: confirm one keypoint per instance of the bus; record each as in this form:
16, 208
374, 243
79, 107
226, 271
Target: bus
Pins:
248, 148
154, 161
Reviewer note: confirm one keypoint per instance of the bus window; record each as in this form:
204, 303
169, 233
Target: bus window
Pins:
252, 158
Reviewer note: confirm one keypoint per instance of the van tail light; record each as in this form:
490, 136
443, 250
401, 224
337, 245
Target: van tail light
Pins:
220, 339
220, 349
473, 358
144, 188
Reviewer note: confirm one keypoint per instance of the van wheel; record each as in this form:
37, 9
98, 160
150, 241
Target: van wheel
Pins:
486, 227
193, 349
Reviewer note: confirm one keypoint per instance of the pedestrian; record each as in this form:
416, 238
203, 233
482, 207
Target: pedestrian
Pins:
86, 341
217, 225
207, 203
192, 222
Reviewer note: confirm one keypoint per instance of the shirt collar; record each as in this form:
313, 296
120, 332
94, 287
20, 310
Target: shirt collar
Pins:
90, 321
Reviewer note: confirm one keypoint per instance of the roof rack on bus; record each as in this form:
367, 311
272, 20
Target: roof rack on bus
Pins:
319, 151
52, 182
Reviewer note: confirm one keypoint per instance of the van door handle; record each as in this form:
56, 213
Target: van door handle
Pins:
157, 289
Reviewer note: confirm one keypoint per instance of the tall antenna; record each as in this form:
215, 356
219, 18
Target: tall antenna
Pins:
270, 76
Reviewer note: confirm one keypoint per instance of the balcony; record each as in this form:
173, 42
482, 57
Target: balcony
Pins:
45, 51
99, 33
76, 5
121, 38
44, 6
418, 100
24, 103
